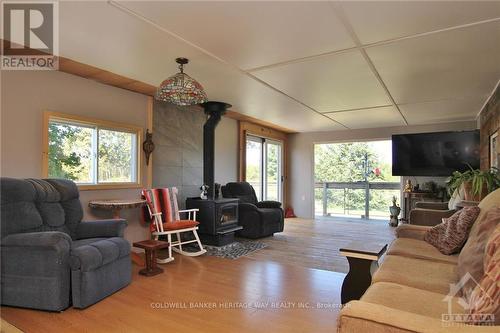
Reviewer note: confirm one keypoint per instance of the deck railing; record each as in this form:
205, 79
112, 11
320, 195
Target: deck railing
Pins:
361, 185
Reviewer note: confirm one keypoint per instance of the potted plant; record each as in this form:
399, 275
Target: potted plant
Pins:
475, 183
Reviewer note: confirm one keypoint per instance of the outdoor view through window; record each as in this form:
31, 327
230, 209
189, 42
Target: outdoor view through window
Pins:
354, 179
264, 167
88, 154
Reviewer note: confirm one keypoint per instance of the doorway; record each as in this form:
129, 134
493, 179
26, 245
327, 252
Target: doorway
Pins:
264, 167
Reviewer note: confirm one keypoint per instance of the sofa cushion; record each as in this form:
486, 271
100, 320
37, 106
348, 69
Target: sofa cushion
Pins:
241, 190
93, 255
181, 224
410, 299
491, 201
18, 209
411, 231
414, 248
70, 202
485, 297
450, 235
47, 200
471, 257
417, 273
86, 241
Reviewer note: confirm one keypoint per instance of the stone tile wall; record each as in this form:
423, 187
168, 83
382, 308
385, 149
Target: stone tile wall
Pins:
178, 156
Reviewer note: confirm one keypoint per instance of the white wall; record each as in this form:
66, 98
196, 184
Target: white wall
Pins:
26, 94
301, 155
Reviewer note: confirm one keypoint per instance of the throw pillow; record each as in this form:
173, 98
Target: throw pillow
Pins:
450, 235
484, 303
471, 258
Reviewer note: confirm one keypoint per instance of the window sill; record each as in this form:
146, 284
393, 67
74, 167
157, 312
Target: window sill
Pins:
116, 186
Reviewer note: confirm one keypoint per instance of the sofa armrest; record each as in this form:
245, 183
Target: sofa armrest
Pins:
432, 205
244, 206
101, 228
429, 217
35, 270
411, 231
268, 204
359, 316
48, 239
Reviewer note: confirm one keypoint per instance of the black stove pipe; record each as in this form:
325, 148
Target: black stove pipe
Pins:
214, 111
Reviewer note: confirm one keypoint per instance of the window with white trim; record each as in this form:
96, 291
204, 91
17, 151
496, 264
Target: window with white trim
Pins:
91, 152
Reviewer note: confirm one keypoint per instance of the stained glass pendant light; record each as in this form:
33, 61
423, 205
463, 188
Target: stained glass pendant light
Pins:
181, 89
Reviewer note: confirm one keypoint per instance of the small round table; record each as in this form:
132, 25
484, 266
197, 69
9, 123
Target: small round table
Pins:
116, 205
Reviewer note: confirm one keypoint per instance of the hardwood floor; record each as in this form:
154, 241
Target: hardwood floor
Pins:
273, 289
218, 284
315, 243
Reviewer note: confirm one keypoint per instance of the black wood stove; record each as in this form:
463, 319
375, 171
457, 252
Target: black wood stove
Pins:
218, 217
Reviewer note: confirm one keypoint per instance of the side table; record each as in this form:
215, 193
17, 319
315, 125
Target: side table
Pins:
116, 205
150, 247
363, 262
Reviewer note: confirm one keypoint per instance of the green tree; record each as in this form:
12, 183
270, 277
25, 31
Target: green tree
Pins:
115, 156
351, 162
65, 159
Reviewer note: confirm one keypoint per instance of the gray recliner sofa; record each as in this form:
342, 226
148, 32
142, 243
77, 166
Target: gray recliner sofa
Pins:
50, 257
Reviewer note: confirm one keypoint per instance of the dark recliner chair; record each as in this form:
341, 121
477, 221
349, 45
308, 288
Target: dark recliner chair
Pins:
50, 257
258, 219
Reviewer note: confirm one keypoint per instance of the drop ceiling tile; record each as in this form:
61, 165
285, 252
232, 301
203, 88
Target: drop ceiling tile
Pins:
452, 64
250, 34
141, 52
331, 83
375, 21
442, 111
369, 118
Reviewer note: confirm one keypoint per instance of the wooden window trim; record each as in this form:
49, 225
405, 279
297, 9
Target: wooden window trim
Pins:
105, 124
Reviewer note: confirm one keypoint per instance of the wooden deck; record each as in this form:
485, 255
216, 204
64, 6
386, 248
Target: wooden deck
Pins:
276, 289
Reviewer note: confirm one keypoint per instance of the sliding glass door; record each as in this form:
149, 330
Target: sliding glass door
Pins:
254, 164
273, 167
264, 167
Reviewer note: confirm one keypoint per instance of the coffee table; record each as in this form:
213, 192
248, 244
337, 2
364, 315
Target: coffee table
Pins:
363, 262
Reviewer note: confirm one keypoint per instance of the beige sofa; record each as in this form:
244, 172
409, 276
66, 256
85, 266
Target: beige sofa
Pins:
408, 290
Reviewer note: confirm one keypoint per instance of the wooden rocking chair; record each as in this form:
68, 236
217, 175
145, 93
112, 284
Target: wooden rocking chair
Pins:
163, 203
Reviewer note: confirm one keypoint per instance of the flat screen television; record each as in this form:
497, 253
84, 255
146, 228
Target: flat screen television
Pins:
434, 154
